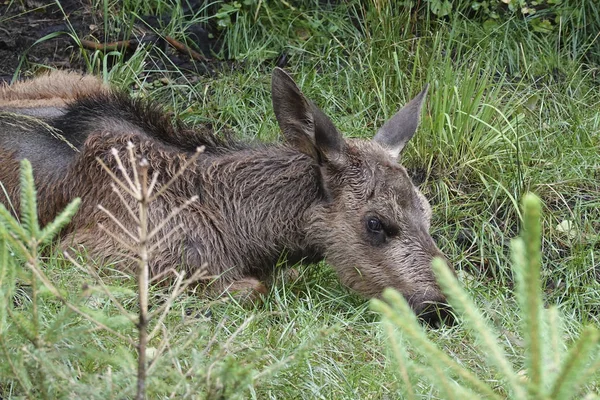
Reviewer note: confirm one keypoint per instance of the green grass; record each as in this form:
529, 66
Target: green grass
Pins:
509, 111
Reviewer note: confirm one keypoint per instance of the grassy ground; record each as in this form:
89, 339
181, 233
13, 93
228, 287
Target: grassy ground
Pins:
509, 111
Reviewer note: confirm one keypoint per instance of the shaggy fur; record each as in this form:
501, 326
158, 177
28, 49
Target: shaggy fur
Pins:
316, 196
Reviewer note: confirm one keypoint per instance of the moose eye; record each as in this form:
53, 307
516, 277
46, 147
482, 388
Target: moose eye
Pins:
374, 225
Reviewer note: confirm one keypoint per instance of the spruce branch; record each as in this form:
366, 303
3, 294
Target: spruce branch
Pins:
531, 290
92, 271
29, 215
397, 347
462, 303
12, 226
568, 380
62, 219
402, 316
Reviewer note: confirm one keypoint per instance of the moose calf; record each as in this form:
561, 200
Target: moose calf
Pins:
315, 196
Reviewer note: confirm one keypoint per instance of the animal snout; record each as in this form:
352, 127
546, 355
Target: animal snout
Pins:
433, 308
435, 312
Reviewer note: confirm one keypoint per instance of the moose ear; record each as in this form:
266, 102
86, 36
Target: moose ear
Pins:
399, 129
303, 124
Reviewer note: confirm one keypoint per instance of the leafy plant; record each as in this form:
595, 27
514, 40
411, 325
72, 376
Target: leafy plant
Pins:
549, 371
441, 8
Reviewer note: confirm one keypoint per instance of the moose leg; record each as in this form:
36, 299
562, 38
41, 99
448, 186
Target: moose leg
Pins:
93, 242
288, 276
247, 289
250, 290
244, 289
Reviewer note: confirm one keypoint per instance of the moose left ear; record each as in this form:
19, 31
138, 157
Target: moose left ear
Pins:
399, 129
303, 124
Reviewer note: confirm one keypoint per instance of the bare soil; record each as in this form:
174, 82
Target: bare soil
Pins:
37, 34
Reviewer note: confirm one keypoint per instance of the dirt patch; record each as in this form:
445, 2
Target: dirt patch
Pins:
22, 25
33, 34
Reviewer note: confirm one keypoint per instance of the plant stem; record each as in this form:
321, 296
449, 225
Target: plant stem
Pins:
143, 282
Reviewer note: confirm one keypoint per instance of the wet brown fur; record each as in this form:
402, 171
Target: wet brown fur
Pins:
255, 202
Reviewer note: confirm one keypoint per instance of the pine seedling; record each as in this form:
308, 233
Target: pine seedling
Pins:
136, 184
550, 373
27, 236
29, 339
32, 367
25, 239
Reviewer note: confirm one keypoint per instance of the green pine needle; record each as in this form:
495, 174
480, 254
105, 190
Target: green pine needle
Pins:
531, 291
462, 303
397, 347
28, 200
401, 315
54, 227
567, 383
11, 225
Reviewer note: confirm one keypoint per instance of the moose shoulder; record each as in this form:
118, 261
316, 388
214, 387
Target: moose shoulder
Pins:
315, 196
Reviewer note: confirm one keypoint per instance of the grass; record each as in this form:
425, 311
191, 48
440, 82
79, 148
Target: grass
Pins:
509, 111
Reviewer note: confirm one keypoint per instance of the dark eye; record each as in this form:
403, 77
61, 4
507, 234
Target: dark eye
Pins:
374, 225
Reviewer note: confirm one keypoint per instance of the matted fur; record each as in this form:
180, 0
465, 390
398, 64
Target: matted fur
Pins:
315, 196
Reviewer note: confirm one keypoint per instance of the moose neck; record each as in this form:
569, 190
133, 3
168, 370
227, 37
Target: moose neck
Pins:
266, 194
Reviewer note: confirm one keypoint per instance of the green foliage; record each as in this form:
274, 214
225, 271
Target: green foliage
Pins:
26, 236
502, 9
30, 365
441, 8
571, 23
550, 370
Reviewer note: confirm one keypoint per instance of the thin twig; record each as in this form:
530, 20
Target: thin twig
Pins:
165, 237
153, 182
189, 161
117, 222
142, 277
167, 307
225, 347
172, 215
185, 49
92, 271
133, 44
116, 238
124, 202
22, 330
15, 372
110, 46
160, 275
196, 276
132, 161
121, 167
115, 178
46, 282
161, 348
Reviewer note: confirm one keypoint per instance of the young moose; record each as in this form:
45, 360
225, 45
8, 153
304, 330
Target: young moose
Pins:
315, 196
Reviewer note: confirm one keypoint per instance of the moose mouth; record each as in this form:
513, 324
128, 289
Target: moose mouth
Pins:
435, 314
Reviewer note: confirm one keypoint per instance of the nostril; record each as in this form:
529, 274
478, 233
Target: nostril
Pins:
436, 314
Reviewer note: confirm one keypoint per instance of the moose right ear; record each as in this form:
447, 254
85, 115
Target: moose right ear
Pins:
396, 132
303, 124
